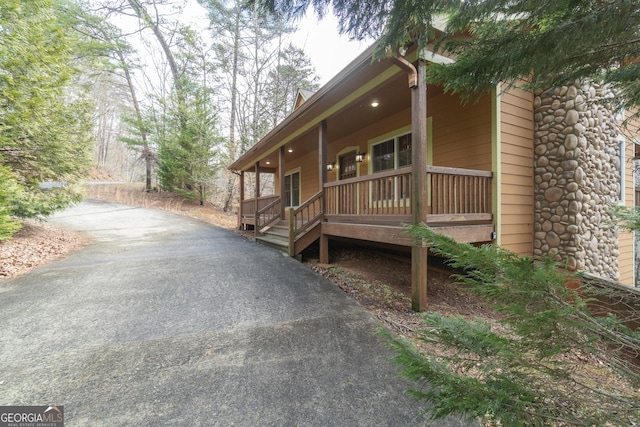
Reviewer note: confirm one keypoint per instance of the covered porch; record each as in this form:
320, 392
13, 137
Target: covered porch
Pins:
344, 168
377, 208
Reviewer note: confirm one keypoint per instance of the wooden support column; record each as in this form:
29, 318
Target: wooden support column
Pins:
322, 180
281, 171
257, 195
241, 196
322, 155
419, 196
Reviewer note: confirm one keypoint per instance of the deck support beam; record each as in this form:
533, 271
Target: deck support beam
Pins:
324, 248
419, 199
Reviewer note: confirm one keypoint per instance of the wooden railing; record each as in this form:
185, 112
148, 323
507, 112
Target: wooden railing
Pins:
385, 193
249, 205
305, 216
465, 193
454, 194
267, 215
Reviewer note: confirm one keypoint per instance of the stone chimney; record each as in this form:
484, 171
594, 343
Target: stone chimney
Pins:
577, 168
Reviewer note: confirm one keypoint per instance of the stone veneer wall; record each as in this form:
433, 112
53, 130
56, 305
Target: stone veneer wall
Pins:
577, 177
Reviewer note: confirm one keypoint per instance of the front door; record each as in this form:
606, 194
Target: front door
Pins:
347, 165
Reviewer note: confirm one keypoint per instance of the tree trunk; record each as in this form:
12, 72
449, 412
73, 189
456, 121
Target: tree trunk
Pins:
173, 65
146, 152
231, 148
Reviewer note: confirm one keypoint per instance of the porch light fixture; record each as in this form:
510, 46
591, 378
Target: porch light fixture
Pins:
375, 103
359, 157
290, 150
329, 167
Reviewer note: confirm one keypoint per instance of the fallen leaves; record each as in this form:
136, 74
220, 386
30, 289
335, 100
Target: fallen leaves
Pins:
35, 244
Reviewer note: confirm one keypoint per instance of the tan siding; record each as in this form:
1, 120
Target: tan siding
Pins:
307, 164
461, 134
520, 161
514, 130
515, 210
515, 124
626, 242
361, 138
516, 146
516, 180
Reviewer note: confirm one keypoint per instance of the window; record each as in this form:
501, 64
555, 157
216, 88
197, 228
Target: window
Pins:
292, 189
383, 156
393, 153
347, 165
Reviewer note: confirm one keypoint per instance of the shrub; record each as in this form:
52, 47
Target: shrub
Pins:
551, 362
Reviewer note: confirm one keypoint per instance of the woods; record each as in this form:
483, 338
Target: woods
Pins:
165, 92
45, 116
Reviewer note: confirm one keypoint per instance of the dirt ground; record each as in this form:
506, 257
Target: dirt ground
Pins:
34, 244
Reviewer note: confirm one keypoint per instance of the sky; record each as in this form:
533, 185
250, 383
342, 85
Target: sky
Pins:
329, 51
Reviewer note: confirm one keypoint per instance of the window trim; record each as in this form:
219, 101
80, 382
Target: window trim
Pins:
622, 159
395, 135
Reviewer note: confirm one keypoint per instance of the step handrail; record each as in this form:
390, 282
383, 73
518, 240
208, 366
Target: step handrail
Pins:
275, 217
298, 214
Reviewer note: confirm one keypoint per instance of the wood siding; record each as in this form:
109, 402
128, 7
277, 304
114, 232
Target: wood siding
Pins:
461, 134
515, 142
359, 140
308, 164
626, 241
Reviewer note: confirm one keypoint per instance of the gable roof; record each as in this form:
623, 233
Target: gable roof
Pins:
301, 97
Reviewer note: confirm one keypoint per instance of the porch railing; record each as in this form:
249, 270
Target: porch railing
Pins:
454, 194
461, 193
248, 208
249, 205
305, 216
268, 214
386, 193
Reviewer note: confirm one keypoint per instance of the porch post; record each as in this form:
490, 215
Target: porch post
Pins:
322, 155
281, 172
257, 195
419, 196
241, 196
322, 179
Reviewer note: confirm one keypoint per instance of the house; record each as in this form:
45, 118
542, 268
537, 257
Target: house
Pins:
377, 148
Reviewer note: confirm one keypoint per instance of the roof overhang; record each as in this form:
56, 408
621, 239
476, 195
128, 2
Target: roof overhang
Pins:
360, 77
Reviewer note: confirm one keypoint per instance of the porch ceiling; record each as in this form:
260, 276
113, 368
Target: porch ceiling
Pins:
393, 96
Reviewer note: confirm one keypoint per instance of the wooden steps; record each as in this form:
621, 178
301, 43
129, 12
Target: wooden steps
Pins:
277, 236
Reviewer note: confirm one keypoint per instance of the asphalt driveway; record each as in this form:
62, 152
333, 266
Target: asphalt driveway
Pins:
166, 320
